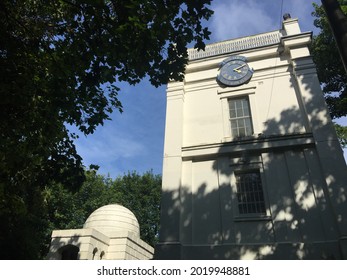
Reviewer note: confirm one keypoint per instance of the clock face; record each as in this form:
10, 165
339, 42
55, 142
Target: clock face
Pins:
234, 71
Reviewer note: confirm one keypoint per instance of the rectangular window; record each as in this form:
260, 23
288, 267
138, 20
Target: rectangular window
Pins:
240, 117
250, 196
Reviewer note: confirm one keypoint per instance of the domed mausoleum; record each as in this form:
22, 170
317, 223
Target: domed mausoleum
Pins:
111, 232
111, 218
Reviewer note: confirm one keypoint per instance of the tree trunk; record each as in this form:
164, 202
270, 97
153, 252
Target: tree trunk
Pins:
338, 24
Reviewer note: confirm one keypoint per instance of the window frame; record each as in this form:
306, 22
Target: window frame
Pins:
242, 166
233, 93
244, 118
244, 192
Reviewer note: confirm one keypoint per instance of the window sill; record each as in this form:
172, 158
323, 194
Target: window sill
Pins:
240, 138
252, 218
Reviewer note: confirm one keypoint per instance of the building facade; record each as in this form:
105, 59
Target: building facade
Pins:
252, 165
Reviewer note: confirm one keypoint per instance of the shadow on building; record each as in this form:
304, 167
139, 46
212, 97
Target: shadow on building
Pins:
268, 182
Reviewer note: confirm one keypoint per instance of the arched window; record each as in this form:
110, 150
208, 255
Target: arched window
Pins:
102, 254
69, 252
94, 252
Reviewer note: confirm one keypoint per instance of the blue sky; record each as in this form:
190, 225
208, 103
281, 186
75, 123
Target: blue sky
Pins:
134, 140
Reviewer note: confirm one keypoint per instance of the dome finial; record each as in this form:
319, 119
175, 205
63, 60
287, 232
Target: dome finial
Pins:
286, 16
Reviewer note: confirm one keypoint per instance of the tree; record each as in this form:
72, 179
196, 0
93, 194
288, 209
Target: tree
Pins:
329, 66
60, 62
338, 24
141, 194
341, 134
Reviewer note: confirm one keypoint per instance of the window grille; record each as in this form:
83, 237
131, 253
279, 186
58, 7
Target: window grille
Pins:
250, 196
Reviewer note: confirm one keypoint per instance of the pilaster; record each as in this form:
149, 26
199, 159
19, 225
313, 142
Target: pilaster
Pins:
333, 165
169, 236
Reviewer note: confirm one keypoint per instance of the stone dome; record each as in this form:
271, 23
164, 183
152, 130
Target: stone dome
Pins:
113, 217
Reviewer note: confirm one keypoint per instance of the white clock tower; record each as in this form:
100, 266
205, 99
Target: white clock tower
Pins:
252, 165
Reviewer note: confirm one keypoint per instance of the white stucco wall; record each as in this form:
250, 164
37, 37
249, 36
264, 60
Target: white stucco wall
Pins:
111, 232
294, 147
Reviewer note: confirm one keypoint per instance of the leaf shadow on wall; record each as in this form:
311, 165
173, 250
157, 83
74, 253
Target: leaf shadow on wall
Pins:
299, 223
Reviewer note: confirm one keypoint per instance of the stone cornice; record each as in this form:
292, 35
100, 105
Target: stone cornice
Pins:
296, 40
235, 45
260, 143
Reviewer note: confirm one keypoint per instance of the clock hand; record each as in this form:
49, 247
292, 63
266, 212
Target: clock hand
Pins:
237, 69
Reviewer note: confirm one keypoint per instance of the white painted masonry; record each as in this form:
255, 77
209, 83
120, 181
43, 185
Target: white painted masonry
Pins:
294, 151
111, 232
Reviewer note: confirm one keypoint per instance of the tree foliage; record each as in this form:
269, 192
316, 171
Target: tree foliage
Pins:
341, 134
330, 69
60, 62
